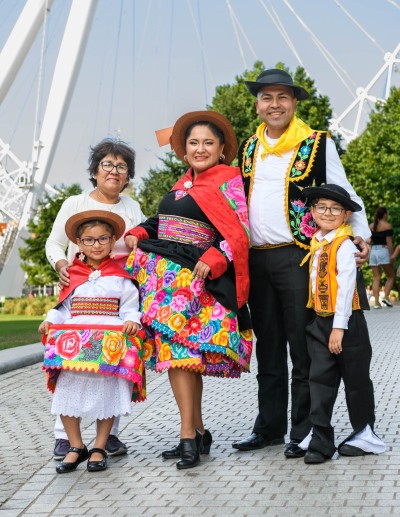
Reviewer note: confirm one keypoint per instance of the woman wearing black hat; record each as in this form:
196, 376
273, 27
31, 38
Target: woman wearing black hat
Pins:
191, 263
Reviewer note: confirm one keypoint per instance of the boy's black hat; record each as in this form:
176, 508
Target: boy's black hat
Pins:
334, 192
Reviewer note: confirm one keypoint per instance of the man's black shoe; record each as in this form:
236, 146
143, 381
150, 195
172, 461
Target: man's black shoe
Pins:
314, 457
351, 450
292, 450
256, 441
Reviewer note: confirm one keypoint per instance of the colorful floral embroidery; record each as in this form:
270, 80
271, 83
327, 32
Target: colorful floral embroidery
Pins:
248, 156
185, 324
301, 222
233, 190
303, 155
105, 351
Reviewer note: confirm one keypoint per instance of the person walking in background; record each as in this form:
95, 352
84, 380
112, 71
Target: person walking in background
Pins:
337, 337
394, 256
380, 256
277, 162
93, 363
191, 262
111, 167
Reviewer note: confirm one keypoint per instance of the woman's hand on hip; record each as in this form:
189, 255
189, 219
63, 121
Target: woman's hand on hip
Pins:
201, 270
131, 241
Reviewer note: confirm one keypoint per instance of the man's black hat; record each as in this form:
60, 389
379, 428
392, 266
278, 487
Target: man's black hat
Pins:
275, 76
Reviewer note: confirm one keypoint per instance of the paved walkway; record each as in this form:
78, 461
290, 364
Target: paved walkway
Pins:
227, 482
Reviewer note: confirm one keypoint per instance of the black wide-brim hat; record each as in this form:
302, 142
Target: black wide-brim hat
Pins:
272, 77
177, 139
114, 220
333, 192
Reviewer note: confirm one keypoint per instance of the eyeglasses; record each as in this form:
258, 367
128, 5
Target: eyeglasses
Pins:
89, 241
109, 166
334, 210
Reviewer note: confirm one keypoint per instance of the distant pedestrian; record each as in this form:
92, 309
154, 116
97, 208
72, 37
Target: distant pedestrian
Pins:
394, 256
93, 362
337, 337
380, 256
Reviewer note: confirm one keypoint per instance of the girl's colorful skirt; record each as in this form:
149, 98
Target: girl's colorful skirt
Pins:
101, 349
186, 327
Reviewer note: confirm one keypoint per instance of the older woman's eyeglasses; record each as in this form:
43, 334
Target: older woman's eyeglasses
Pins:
334, 210
89, 241
109, 166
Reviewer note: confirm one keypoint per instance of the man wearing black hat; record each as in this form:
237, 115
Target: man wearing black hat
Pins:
277, 162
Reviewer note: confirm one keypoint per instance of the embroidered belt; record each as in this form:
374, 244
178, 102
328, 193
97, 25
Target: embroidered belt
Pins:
187, 231
94, 306
270, 246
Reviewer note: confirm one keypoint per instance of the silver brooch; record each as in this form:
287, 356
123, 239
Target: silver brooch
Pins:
188, 184
94, 275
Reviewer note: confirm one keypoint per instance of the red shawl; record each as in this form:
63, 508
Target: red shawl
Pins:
209, 197
79, 274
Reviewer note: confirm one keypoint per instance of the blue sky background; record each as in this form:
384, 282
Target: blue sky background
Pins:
148, 62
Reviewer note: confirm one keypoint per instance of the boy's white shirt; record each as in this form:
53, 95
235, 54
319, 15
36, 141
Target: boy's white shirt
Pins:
346, 278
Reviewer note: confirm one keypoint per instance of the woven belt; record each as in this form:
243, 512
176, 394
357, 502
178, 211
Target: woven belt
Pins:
270, 246
94, 306
187, 231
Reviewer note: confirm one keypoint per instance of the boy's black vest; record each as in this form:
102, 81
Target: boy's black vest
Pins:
307, 168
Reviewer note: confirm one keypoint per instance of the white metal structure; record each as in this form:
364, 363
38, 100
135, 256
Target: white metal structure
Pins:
22, 183
364, 95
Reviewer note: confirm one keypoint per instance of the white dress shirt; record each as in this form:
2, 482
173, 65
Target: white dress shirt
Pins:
268, 223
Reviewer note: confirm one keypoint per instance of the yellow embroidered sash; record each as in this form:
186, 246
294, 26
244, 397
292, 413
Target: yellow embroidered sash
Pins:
324, 299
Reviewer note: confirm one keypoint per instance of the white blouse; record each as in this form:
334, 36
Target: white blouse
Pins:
58, 241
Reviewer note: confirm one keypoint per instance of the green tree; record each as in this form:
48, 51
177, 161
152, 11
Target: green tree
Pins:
158, 182
372, 164
33, 256
372, 161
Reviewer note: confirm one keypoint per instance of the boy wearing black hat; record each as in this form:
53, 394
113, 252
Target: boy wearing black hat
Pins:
337, 338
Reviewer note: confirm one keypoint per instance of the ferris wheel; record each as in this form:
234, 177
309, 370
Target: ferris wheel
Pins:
23, 182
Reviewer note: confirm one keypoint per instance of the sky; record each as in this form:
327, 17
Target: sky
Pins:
149, 61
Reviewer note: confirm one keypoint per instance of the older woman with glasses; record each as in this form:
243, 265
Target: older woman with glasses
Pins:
111, 166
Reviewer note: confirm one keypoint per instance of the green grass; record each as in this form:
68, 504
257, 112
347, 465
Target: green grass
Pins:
18, 330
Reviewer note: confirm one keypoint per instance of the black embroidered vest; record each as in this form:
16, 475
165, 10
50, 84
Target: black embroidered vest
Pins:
308, 167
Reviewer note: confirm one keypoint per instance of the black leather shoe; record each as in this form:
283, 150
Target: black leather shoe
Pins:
207, 441
314, 457
175, 452
96, 466
351, 450
256, 441
292, 450
190, 456
64, 467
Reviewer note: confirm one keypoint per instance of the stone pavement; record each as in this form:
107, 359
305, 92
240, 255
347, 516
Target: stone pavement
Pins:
227, 482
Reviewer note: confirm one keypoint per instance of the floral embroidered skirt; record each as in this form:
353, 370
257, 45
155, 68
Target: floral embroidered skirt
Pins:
186, 327
99, 349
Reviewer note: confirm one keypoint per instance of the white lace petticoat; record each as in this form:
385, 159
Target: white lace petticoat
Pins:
91, 395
